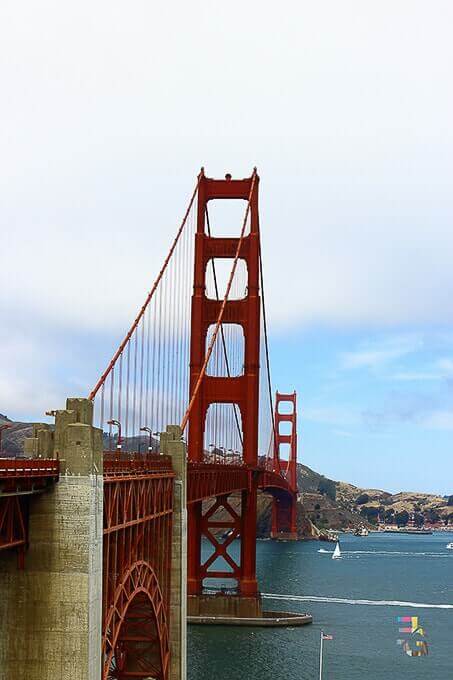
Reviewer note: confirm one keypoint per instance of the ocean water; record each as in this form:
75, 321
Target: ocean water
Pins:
381, 568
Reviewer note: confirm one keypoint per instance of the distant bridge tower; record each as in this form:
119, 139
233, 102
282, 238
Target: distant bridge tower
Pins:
284, 507
243, 391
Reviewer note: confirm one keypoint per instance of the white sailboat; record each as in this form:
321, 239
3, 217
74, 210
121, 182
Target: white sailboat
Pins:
337, 552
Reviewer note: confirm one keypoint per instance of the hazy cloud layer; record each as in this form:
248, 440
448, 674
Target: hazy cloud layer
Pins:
108, 112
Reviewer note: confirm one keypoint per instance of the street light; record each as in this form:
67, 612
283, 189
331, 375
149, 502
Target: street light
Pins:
157, 434
118, 425
3, 427
150, 432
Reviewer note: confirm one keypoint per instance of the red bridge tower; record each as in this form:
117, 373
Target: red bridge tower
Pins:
241, 390
284, 508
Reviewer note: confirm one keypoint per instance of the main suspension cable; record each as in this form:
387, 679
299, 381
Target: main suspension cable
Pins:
120, 349
266, 345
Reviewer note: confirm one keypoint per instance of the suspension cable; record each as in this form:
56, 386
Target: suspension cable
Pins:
150, 295
266, 345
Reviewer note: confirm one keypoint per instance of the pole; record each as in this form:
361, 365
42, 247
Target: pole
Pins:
320, 655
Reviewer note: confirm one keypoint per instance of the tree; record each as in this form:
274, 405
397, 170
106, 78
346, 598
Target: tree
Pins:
389, 515
450, 501
432, 516
362, 499
328, 488
419, 519
402, 518
370, 513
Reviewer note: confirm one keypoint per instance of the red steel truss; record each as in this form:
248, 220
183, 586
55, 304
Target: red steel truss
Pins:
284, 507
138, 510
20, 478
242, 391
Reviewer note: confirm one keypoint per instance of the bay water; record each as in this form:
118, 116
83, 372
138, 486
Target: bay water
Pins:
395, 574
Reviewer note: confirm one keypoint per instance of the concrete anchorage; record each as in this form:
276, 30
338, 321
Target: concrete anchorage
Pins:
50, 613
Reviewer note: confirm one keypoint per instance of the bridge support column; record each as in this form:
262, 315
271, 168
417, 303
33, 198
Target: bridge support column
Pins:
284, 518
171, 444
50, 612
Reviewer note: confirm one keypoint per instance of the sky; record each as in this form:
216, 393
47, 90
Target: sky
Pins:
108, 111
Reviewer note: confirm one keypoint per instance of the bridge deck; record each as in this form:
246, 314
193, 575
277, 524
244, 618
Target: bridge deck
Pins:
19, 478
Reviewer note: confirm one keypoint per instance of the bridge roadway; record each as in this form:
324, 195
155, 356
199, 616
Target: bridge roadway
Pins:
204, 479
22, 477
19, 478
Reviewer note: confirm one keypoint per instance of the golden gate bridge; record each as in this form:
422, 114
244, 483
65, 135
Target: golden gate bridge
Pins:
196, 358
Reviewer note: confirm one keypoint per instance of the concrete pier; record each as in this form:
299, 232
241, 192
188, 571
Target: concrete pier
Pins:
50, 613
225, 606
237, 610
266, 620
171, 444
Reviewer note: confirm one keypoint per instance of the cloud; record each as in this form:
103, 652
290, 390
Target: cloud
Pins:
439, 370
100, 148
438, 420
381, 352
414, 376
25, 386
332, 415
343, 433
445, 366
433, 411
38, 371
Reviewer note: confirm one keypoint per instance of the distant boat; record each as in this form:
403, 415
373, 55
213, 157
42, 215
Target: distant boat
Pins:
361, 531
450, 546
337, 552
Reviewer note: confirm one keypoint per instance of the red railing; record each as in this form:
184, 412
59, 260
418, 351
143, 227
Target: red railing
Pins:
135, 464
19, 468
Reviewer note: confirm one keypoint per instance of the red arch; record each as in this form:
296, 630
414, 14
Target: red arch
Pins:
139, 586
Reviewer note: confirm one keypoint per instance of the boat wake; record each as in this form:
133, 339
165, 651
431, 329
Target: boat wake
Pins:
342, 600
392, 553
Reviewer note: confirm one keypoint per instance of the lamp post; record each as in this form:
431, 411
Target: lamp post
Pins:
119, 441
150, 433
157, 434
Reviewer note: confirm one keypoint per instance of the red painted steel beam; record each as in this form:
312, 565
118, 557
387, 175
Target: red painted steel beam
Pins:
138, 513
19, 476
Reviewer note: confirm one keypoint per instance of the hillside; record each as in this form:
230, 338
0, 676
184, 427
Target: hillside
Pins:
323, 503
13, 437
336, 505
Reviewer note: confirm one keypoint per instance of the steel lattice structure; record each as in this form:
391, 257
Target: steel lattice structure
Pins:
138, 507
21, 478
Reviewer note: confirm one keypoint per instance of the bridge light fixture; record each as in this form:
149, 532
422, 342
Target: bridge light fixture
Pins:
150, 433
119, 441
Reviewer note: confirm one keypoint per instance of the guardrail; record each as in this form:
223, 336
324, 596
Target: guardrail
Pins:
29, 468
